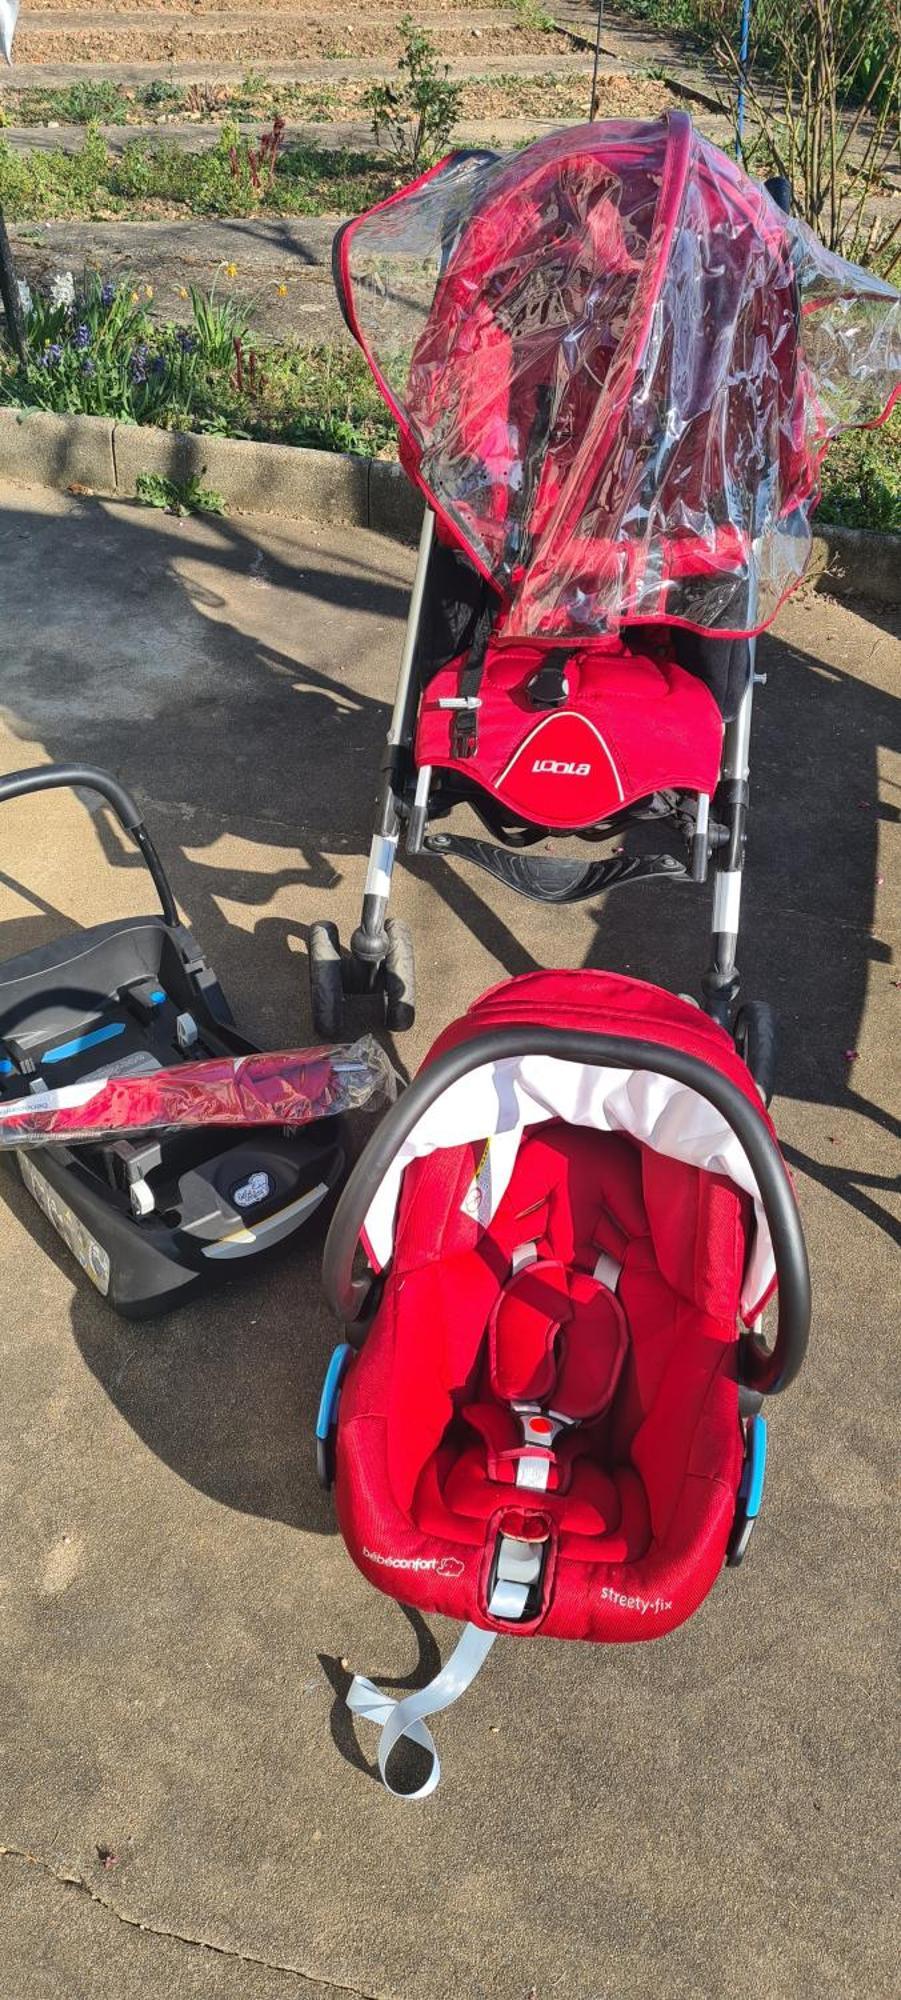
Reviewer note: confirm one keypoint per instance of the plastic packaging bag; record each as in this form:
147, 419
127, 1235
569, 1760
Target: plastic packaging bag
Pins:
290, 1089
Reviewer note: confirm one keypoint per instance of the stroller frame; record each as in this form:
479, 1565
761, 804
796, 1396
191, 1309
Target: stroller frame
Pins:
715, 831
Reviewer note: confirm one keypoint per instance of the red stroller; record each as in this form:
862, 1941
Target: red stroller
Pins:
615, 364
553, 1425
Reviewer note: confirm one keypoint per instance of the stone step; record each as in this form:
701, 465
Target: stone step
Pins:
318, 70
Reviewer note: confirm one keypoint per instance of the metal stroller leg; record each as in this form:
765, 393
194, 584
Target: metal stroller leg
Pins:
369, 943
720, 983
381, 949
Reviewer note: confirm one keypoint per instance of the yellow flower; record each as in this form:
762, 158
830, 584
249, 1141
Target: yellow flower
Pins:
182, 291
148, 291
231, 270
136, 298
282, 291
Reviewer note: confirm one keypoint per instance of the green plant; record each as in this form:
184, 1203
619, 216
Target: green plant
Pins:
179, 496
255, 167
218, 323
824, 99
94, 182
161, 94
861, 479
533, 15
94, 98
75, 104
416, 116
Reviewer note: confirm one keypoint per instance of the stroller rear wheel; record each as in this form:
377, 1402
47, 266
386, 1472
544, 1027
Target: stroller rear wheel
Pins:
326, 983
399, 973
755, 1036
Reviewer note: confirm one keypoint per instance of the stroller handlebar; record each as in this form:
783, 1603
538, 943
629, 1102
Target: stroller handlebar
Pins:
764, 1370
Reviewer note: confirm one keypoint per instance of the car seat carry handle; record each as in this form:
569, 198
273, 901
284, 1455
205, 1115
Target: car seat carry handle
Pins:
83, 777
761, 1369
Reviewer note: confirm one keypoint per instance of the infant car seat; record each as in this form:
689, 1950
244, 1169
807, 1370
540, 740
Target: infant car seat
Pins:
553, 1423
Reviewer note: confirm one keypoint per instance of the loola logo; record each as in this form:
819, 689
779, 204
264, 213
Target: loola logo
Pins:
442, 1565
551, 767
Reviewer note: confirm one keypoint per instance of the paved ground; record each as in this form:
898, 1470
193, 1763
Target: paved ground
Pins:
699, 1819
268, 255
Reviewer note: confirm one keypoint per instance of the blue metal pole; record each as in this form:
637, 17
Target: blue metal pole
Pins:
744, 41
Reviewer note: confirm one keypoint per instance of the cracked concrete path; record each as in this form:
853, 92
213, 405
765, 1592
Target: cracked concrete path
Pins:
697, 1819
78, 1944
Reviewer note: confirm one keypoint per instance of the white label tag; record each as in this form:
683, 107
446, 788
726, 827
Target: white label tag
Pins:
477, 1199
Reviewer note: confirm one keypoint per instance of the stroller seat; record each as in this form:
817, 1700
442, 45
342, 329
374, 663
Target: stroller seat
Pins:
569, 738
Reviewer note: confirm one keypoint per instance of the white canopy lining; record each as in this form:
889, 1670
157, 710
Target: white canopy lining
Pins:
499, 1100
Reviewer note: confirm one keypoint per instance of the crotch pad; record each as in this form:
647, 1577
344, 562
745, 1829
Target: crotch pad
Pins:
557, 1338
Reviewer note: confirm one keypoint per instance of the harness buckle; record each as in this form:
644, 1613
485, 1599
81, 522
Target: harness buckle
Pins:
465, 730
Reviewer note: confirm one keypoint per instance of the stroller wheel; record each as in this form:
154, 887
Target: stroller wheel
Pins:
400, 977
755, 1036
326, 987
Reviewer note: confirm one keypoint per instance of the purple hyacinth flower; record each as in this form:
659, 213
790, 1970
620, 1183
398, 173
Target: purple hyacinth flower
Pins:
107, 295
89, 367
139, 365
82, 338
52, 356
187, 341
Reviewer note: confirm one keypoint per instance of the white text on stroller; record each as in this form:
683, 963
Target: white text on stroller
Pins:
551, 766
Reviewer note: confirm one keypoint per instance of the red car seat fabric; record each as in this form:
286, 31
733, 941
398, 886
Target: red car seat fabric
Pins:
632, 723
478, 1124
635, 1492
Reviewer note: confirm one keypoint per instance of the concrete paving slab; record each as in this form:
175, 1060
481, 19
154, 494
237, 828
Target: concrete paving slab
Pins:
699, 1818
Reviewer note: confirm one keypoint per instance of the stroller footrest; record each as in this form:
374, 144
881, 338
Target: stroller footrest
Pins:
546, 879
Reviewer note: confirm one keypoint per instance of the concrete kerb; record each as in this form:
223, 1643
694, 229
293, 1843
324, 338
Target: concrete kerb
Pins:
37, 449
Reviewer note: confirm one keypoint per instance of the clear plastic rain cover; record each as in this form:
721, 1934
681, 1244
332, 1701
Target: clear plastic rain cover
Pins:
616, 365
294, 1088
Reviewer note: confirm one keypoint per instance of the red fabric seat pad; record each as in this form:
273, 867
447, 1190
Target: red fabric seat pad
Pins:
633, 723
642, 1490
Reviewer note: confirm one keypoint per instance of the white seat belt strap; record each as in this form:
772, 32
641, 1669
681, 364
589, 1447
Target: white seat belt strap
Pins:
607, 1271
405, 1718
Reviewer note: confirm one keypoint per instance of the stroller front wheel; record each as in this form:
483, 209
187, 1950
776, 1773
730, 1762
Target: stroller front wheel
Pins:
399, 977
754, 1034
326, 984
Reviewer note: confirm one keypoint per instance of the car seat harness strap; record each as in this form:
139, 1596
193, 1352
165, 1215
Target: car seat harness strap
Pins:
405, 1719
516, 1575
542, 1426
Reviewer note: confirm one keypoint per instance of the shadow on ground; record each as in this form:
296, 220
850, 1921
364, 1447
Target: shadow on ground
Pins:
261, 733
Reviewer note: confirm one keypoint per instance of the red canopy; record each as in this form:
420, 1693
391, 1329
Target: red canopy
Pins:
616, 365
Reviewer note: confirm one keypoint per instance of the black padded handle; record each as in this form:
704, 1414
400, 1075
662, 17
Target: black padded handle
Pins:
780, 191
760, 1368
83, 777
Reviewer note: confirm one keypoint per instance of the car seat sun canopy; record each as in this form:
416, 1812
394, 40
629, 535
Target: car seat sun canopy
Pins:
496, 1103
616, 365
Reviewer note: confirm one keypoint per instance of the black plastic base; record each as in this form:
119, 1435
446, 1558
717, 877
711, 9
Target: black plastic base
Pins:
152, 1220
